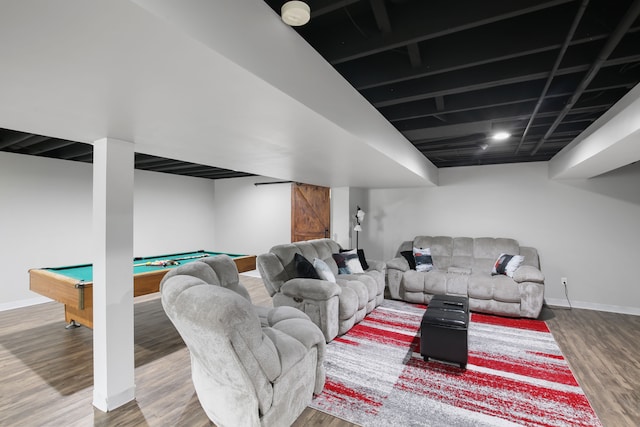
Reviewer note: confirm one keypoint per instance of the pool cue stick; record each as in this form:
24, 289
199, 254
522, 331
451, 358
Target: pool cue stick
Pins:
190, 257
148, 263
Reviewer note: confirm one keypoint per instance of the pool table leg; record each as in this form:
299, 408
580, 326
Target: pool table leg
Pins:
72, 325
73, 316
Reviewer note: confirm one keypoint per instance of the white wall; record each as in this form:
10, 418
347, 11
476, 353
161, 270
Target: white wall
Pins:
344, 202
585, 230
250, 219
173, 213
341, 227
46, 218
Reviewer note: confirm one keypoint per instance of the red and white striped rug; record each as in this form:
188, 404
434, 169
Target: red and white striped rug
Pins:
516, 375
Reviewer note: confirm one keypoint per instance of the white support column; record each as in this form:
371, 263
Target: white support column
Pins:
113, 346
340, 219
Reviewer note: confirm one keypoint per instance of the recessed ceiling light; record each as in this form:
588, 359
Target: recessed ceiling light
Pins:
295, 13
500, 136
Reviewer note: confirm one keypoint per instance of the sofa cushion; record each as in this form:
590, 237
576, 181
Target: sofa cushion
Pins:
481, 286
507, 264
309, 252
323, 247
457, 281
489, 247
304, 268
462, 255
498, 288
434, 282
331, 263
202, 271
505, 289
349, 301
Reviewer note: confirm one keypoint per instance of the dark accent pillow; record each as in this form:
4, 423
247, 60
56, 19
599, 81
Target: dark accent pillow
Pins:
304, 268
363, 260
408, 255
361, 257
341, 261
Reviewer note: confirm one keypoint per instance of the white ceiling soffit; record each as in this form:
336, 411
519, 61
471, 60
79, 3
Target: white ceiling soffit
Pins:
202, 83
609, 143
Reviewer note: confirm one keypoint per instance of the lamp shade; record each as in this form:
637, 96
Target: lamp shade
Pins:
295, 13
360, 214
357, 228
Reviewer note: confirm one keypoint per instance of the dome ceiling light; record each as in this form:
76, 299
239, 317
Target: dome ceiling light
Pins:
500, 136
295, 13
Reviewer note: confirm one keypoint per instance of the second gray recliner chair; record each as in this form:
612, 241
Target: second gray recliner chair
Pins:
251, 366
334, 307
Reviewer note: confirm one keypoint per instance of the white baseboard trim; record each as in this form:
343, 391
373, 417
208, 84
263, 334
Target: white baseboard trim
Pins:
109, 403
560, 302
24, 303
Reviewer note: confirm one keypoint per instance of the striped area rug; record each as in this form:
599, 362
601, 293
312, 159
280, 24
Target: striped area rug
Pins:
516, 375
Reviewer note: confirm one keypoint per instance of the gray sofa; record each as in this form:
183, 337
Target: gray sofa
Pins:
463, 266
250, 365
334, 307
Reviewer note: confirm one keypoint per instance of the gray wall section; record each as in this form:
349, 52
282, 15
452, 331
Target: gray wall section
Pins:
585, 230
46, 217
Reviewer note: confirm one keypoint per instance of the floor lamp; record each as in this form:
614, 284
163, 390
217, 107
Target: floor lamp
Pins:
358, 227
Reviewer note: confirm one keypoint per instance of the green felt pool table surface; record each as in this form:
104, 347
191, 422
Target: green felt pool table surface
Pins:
84, 272
73, 285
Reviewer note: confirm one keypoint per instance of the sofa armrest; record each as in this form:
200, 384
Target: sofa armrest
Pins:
527, 273
376, 265
399, 263
319, 290
530, 256
272, 272
310, 336
395, 272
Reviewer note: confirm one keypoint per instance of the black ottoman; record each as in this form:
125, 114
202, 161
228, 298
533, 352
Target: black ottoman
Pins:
443, 330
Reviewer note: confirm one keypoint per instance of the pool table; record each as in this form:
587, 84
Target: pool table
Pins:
73, 286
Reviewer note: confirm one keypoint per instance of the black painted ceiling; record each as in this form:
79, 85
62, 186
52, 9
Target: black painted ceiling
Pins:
37, 145
447, 73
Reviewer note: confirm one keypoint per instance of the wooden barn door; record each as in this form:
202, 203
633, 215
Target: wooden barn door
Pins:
310, 212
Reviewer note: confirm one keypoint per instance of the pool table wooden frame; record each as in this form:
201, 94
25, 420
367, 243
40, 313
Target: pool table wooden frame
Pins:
77, 296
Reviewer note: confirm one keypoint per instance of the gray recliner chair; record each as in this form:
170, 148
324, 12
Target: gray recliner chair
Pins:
251, 366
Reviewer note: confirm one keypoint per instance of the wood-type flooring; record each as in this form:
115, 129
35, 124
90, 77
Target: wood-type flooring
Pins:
46, 371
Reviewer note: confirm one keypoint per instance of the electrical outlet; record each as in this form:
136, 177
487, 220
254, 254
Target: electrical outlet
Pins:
564, 281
